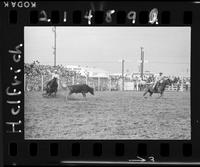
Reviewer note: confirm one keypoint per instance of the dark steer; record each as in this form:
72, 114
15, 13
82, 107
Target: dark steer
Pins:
80, 88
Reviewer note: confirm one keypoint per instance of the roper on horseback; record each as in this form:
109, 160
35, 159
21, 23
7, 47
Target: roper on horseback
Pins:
158, 79
52, 85
55, 75
159, 85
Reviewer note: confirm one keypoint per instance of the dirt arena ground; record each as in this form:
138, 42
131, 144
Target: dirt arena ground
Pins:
108, 115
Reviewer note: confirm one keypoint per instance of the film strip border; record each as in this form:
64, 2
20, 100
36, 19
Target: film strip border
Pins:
152, 16
102, 151
78, 17
17, 151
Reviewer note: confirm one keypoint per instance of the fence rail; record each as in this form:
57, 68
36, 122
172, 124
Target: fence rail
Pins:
99, 84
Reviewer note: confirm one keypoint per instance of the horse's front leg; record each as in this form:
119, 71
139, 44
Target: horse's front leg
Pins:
67, 96
145, 92
161, 94
48, 94
84, 95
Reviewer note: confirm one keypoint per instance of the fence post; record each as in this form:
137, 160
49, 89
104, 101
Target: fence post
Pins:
86, 79
98, 84
137, 85
93, 84
110, 83
42, 80
59, 83
181, 85
73, 80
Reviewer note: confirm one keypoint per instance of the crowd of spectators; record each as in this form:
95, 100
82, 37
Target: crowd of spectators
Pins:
36, 75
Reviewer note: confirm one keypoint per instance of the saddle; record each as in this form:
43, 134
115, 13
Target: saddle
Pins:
158, 84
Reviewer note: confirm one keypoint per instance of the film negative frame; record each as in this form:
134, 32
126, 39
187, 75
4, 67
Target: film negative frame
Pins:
17, 151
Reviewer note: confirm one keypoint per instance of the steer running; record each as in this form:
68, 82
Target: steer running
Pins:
80, 88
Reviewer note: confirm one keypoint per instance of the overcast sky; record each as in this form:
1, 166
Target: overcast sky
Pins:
166, 49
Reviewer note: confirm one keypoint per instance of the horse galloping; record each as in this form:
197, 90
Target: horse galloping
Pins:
159, 88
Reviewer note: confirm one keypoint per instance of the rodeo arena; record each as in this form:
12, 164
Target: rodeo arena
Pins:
71, 101
116, 110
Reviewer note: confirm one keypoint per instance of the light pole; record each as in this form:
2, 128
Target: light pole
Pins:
142, 63
54, 48
122, 74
